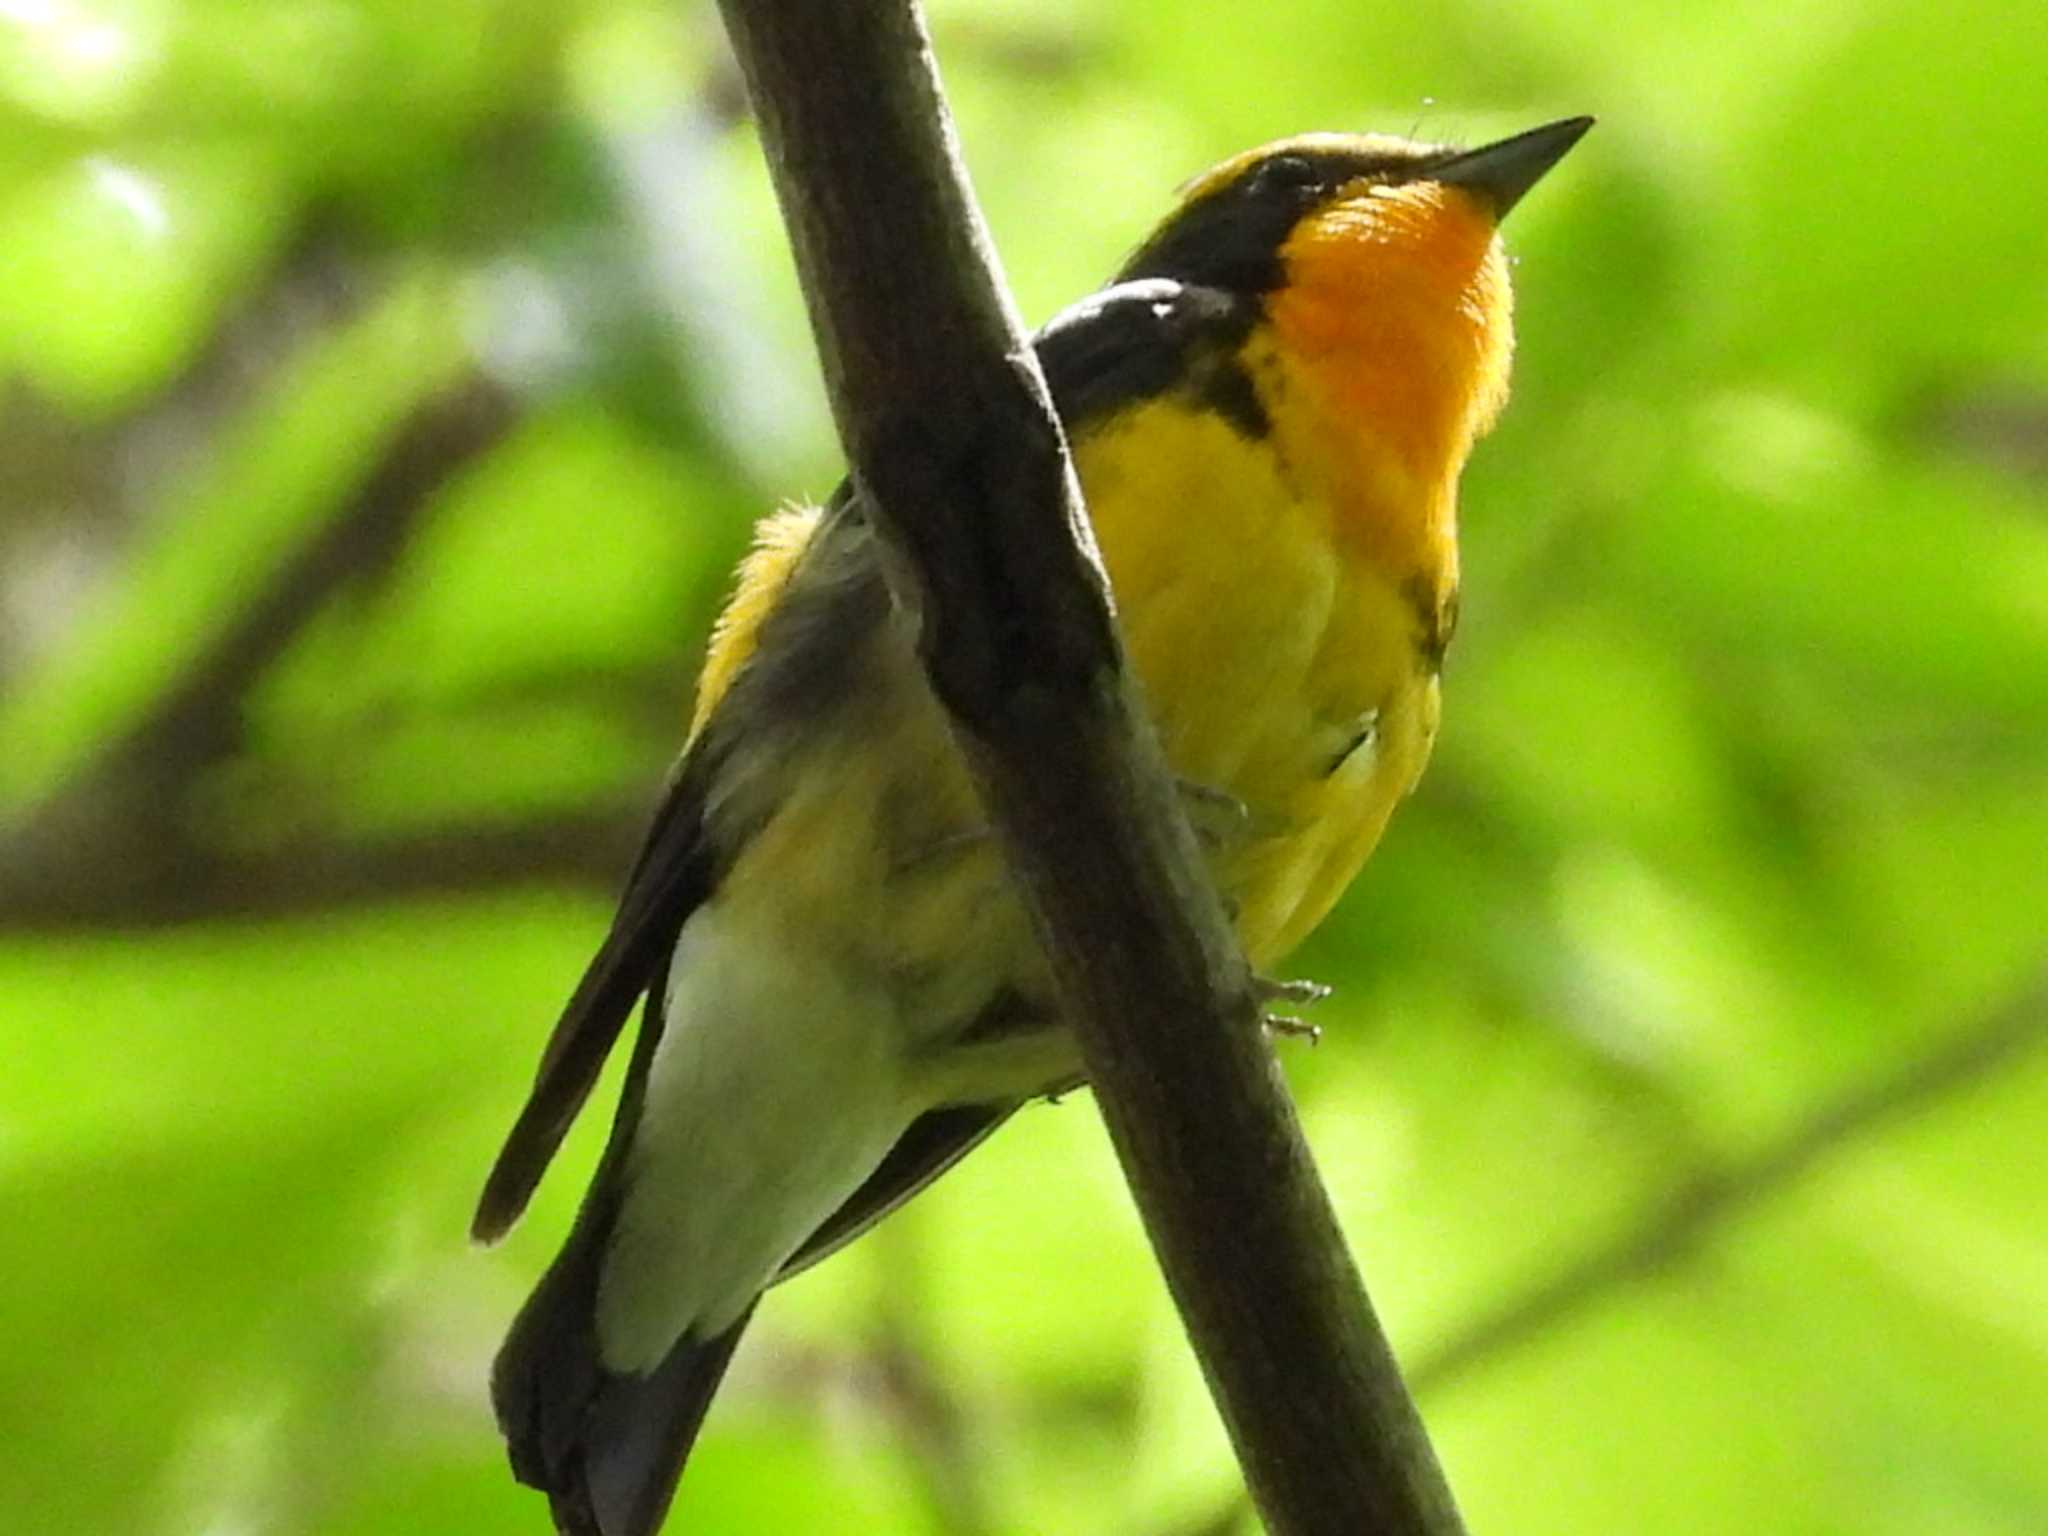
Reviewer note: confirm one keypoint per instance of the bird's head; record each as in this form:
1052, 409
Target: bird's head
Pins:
1377, 262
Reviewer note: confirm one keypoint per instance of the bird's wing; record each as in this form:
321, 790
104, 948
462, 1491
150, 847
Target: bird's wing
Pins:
677, 867
935, 1142
1143, 339
671, 876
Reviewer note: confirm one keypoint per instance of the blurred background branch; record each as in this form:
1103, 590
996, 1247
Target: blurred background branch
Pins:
1709, 1201
117, 843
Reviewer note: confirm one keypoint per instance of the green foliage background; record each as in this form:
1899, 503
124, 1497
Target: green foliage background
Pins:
1741, 808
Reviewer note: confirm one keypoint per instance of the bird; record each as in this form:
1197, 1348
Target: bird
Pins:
1269, 408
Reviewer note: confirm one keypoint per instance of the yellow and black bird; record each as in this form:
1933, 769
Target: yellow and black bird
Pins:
1269, 410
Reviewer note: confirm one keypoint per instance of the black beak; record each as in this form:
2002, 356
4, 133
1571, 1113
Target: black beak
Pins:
1499, 174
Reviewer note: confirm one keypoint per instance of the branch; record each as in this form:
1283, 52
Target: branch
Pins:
949, 431
198, 720
932, 1423
101, 479
115, 840
580, 848
2002, 425
1712, 1200
934, 1432
1695, 1212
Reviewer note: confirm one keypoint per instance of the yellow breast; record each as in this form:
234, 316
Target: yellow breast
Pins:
1279, 668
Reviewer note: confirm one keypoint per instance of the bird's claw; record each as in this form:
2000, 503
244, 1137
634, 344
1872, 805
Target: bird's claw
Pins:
1300, 994
1293, 1029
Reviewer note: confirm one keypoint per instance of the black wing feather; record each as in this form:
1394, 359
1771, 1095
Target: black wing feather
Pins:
671, 876
934, 1143
607, 1447
1140, 340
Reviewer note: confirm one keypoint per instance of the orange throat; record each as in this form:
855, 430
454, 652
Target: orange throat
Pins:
1394, 328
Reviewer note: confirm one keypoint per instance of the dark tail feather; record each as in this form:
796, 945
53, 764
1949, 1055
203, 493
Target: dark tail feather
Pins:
642, 1429
606, 1447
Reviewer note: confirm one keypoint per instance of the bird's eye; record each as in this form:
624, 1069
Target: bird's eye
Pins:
1287, 173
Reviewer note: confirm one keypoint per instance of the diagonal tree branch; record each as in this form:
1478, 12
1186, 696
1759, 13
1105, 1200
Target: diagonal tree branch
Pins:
1696, 1213
2002, 425
114, 839
948, 429
199, 719
101, 480
1712, 1200
583, 848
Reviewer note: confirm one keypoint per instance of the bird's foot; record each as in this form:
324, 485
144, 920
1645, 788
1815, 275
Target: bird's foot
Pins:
1298, 994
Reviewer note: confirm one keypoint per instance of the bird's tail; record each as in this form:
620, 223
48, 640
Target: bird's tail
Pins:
607, 1447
